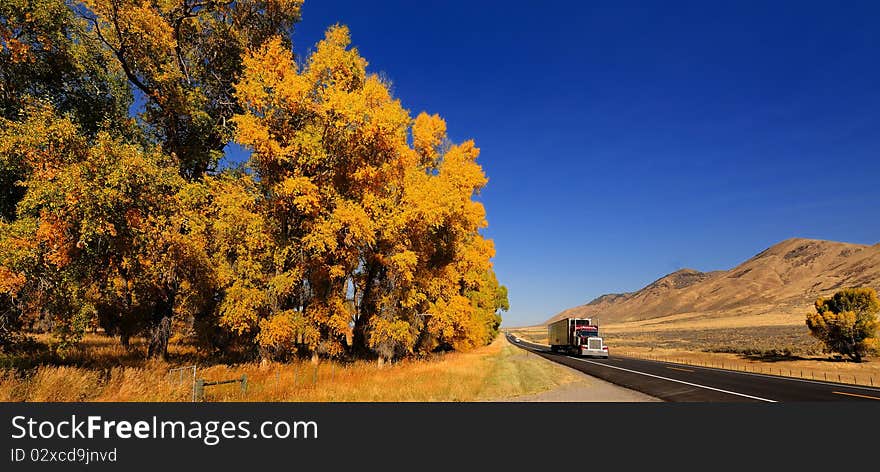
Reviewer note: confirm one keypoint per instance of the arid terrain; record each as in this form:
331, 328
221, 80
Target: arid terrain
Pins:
748, 317
777, 286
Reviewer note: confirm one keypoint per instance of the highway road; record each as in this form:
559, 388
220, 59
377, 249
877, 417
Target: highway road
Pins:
686, 383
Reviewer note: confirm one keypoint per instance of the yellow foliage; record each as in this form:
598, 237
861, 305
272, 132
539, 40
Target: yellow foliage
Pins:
327, 141
354, 227
241, 308
10, 282
847, 322
387, 335
428, 133
282, 332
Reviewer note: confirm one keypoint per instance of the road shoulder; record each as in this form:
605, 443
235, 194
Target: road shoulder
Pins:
585, 389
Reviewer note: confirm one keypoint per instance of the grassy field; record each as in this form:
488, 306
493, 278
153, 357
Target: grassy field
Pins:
103, 371
779, 345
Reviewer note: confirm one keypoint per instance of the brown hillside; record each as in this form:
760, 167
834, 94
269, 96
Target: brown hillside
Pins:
790, 274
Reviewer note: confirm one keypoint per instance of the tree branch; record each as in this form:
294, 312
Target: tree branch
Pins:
186, 12
118, 52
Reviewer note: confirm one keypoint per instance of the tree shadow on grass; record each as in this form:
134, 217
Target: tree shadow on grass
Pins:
763, 355
772, 356
778, 356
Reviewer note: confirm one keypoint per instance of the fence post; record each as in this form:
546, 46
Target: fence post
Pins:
200, 390
315, 376
243, 383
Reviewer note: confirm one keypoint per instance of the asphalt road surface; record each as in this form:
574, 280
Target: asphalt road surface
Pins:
685, 383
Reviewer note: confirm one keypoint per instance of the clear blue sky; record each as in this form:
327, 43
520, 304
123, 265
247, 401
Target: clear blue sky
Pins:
626, 140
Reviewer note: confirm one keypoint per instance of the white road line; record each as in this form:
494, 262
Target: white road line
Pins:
674, 380
742, 372
756, 374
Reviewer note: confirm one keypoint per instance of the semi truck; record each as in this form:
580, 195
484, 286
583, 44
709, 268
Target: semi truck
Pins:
577, 336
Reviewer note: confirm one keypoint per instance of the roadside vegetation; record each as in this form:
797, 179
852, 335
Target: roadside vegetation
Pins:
846, 323
95, 373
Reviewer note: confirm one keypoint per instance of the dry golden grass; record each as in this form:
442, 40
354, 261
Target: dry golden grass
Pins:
492, 372
96, 351
751, 317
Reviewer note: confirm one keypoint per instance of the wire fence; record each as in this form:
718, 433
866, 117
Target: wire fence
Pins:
283, 382
847, 378
184, 374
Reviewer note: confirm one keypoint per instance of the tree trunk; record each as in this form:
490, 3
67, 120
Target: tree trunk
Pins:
359, 336
161, 331
159, 338
366, 308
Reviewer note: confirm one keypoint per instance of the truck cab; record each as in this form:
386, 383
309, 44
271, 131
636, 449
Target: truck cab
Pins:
589, 343
577, 336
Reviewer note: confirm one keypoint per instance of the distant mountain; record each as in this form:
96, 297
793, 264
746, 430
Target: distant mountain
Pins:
793, 272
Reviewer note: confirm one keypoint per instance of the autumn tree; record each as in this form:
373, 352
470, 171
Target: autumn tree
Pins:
353, 230
372, 212
46, 57
183, 57
224, 211
79, 58
45, 54
847, 322
36, 247
327, 140
98, 238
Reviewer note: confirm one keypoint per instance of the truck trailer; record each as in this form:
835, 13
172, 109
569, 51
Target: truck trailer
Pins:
577, 336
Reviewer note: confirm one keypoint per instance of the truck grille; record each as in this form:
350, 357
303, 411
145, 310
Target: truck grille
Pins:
594, 343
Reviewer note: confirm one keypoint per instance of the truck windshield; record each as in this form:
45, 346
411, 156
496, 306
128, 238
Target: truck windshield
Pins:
588, 333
